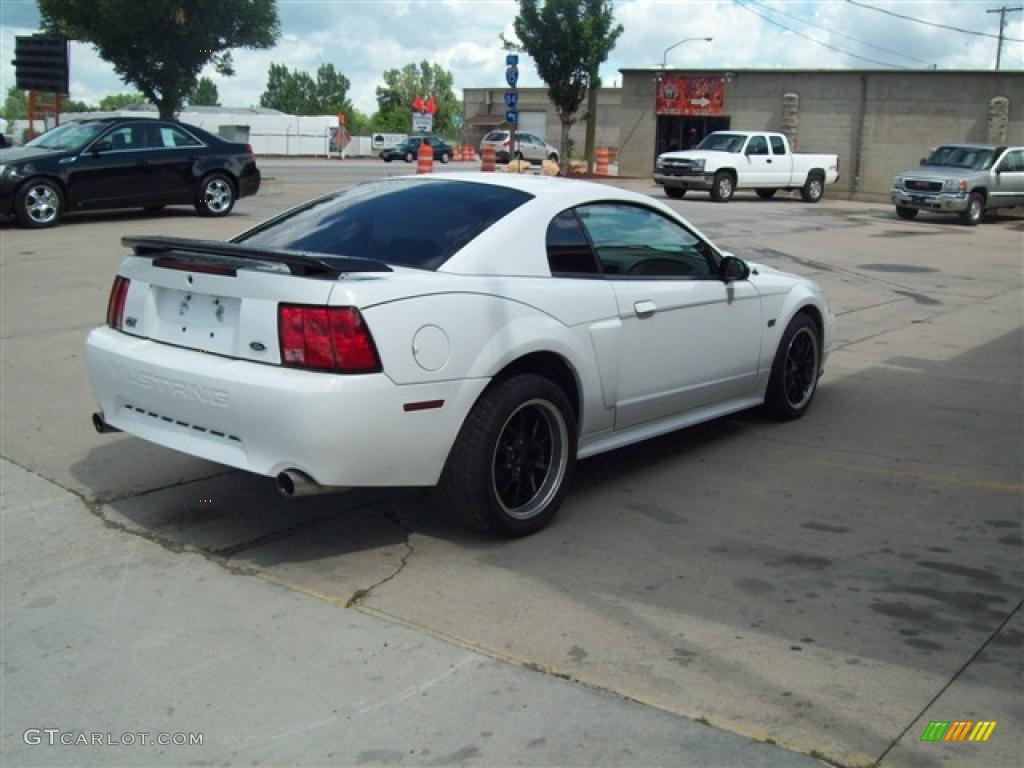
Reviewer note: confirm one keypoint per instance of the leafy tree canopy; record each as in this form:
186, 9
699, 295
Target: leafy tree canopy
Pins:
401, 86
567, 40
161, 46
204, 94
119, 100
297, 93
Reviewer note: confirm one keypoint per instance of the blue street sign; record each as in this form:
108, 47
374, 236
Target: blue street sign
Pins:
512, 76
511, 116
512, 59
511, 99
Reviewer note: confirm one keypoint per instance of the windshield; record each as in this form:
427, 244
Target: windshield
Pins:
723, 142
70, 136
974, 158
408, 222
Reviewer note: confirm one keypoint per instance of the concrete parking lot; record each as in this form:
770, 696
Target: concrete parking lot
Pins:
829, 585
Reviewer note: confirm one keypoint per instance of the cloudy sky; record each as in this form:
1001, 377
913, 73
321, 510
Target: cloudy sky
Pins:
364, 37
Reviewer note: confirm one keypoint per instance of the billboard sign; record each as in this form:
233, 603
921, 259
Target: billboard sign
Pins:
681, 95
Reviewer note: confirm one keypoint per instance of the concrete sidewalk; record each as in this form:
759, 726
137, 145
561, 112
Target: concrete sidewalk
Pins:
105, 632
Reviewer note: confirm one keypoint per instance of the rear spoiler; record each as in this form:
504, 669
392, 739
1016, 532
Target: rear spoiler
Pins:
211, 252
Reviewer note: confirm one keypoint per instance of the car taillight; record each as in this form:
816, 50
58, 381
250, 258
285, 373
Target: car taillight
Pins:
115, 307
326, 338
248, 148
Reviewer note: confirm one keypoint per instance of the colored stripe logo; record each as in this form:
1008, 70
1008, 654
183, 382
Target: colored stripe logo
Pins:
958, 730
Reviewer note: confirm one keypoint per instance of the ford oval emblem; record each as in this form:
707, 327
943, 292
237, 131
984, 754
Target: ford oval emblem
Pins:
257, 346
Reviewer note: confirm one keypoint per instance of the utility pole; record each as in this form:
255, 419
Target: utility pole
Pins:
1002, 26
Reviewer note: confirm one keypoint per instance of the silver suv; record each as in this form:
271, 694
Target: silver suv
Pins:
528, 147
966, 179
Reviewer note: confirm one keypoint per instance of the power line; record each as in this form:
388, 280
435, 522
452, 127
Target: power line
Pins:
1002, 27
931, 23
841, 34
816, 42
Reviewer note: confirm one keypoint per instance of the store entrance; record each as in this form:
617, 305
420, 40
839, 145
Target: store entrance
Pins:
685, 132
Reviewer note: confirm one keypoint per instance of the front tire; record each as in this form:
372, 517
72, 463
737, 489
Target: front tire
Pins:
39, 203
510, 466
813, 189
553, 157
766, 193
975, 210
905, 213
722, 187
676, 193
794, 377
445, 157
216, 196
409, 157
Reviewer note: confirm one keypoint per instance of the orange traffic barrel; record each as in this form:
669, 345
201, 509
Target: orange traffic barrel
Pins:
467, 153
487, 159
425, 159
602, 161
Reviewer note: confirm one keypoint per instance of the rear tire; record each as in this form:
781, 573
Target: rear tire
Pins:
722, 187
766, 193
510, 466
553, 157
813, 189
794, 377
675, 193
905, 213
409, 157
216, 196
445, 157
975, 210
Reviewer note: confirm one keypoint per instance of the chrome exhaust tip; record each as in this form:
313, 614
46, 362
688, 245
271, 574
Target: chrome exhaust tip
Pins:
100, 424
293, 482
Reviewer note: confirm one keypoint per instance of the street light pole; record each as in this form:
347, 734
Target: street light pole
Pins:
664, 56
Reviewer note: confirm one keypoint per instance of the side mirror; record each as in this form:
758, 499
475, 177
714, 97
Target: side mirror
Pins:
101, 146
924, 161
732, 268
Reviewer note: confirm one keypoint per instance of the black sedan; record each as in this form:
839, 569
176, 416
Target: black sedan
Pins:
409, 148
123, 163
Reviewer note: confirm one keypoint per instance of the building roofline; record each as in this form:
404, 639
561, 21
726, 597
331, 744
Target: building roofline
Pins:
815, 71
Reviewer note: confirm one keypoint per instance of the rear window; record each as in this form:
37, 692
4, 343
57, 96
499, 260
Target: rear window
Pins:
406, 222
496, 136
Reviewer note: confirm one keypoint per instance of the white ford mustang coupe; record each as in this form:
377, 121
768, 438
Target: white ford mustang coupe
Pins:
473, 332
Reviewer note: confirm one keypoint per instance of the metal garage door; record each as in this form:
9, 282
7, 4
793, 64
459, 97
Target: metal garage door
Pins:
532, 122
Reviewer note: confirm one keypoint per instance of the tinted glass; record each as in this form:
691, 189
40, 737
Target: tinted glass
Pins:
757, 146
407, 222
127, 137
975, 158
632, 241
70, 136
1013, 161
569, 251
496, 136
778, 145
169, 136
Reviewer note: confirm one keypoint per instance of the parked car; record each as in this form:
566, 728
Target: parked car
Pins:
477, 333
725, 161
123, 163
965, 179
409, 148
529, 146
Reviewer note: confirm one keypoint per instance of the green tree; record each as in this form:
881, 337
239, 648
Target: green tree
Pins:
118, 100
16, 104
297, 93
204, 94
560, 38
601, 34
332, 91
162, 47
402, 86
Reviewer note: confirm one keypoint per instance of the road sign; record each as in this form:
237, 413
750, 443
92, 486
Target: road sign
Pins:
41, 64
457, 120
512, 59
512, 76
511, 99
422, 123
511, 116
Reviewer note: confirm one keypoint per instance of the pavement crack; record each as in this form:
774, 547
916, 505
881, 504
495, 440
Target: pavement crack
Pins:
361, 594
953, 679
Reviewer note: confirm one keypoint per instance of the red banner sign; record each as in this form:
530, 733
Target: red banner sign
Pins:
680, 95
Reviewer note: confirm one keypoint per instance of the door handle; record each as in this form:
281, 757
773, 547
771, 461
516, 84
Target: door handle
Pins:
645, 308
769, 161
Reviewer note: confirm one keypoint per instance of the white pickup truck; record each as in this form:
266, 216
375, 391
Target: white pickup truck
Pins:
729, 160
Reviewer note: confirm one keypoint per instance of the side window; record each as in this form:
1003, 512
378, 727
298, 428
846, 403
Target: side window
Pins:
778, 145
169, 136
1013, 162
127, 137
757, 146
632, 241
569, 252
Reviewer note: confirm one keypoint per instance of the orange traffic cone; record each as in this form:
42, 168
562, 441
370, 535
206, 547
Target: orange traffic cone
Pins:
488, 159
602, 161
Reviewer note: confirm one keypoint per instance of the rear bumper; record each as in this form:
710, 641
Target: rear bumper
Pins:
249, 184
339, 430
692, 181
940, 202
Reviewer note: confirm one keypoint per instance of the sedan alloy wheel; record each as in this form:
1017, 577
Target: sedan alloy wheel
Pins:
39, 204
